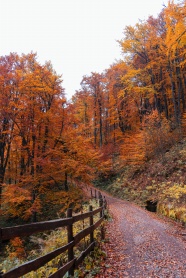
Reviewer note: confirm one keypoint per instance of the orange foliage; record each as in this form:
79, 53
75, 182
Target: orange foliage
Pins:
124, 115
17, 249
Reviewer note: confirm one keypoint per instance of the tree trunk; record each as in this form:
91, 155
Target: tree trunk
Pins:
95, 122
166, 105
66, 181
100, 124
173, 90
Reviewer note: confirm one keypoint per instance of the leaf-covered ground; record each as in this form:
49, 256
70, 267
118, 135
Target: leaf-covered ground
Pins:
140, 244
161, 179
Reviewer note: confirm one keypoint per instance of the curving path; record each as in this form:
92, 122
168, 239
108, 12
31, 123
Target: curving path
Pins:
141, 245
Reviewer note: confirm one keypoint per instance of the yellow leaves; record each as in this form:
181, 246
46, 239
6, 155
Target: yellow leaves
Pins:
132, 73
176, 191
173, 211
172, 200
88, 266
176, 33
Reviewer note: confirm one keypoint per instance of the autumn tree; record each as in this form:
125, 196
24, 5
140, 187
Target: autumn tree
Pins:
129, 112
175, 45
8, 111
94, 85
44, 150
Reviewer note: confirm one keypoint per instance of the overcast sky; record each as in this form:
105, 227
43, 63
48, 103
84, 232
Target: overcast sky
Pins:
77, 36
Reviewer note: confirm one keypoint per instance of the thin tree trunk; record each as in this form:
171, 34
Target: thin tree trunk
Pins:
166, 105
66, 181
100, 123
173, 90
95, 122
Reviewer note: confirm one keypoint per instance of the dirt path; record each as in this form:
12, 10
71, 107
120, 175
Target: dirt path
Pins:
141, 245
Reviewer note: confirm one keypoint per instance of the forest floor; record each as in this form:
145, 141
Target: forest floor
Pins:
141, 244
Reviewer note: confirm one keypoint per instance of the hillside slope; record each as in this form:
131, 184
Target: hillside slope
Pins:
161, 180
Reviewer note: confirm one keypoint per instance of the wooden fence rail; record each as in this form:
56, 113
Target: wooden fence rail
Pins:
73, 262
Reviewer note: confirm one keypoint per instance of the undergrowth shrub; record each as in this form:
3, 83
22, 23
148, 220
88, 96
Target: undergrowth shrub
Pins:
172, 200
19, 251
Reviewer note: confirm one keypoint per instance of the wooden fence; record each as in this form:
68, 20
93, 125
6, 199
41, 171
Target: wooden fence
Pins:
73, 262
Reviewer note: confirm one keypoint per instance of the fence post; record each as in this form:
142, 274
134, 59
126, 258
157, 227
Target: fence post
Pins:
95, 194
105, 202
91, 193
1, 247
101, 204
91, 223
99, 194
70, 238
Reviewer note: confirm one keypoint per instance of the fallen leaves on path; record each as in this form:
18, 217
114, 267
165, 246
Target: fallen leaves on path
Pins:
139, 244
113, 247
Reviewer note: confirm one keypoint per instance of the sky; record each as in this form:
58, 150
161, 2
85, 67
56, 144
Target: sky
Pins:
77, 36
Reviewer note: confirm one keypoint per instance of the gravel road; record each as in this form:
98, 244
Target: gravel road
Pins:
142, 245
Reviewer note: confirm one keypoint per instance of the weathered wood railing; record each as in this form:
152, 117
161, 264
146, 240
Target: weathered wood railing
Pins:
73, 262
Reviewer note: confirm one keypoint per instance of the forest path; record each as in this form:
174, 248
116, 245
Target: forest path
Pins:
141, 245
